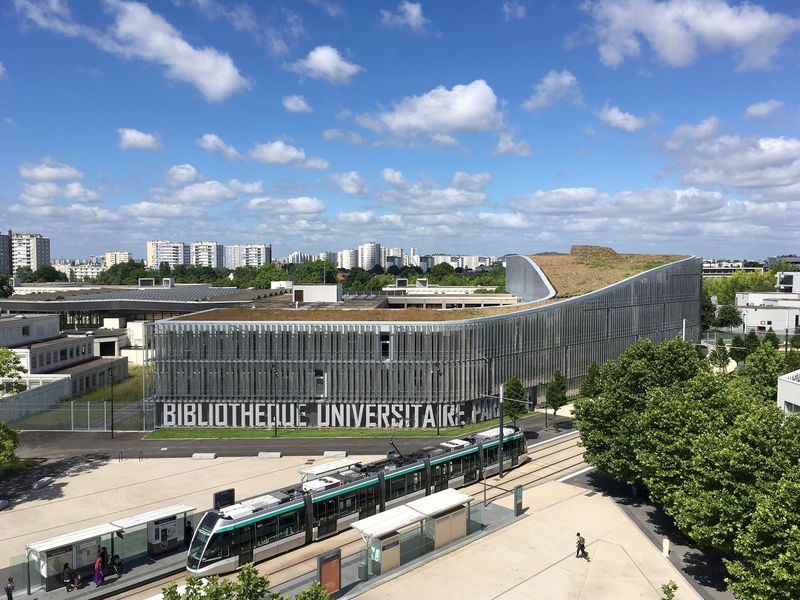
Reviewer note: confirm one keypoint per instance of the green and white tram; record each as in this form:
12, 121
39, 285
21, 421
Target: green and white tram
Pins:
261, 527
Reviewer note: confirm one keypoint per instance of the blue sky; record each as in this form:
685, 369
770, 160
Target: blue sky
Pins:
509, 126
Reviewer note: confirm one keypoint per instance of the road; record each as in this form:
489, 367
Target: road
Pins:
68, 444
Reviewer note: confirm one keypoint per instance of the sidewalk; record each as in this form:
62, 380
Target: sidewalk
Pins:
535, 557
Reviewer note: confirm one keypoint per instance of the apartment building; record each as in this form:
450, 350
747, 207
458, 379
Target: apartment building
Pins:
207, 254
30, 250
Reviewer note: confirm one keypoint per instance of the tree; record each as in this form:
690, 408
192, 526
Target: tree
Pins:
771, 338
719, 357
792, 361
393, 270
315, 271
6, 286
708, 312
794, 341
249, 585
767, 565
314, 592
590, 386
12, 370
514, 405
440, 272
8, 443
376, 270
725, 288
556, 394
728, 316
164, 269
47, 274
24, 274
763, 367
738, 352
751, 342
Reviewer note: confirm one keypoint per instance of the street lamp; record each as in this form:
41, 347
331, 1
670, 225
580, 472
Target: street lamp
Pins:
438, 369
275, 391
113, 380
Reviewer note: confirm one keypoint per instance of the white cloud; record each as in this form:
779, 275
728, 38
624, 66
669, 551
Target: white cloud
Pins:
507, 145
48, 170
409, 14
211, 142
2, 71
762, 110
10, 122
464, 108
205, 194
513, 11
333, 9
296, 104
137, 32
76, 192
351, 183
137, 140
613, 116
474, 182
182, 174
325, 62
281, 153
158, 212
554, 88
426, 197
248, 188
344, 135
505, 220
675, 29
702, 130
302, 205
392, 176
43, 193
444, 140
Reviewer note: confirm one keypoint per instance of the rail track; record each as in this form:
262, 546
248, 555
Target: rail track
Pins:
547, 461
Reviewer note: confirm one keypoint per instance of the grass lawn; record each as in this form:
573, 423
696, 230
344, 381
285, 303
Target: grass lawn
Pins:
327, 432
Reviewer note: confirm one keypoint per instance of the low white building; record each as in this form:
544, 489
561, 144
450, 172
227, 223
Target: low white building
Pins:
789, 392
764, 310
331, 292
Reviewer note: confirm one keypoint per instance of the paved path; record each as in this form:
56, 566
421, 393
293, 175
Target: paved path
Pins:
67, 444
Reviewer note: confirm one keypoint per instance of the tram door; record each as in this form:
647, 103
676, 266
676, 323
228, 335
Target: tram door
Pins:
471, 468
327, 517
246, 545
439, 477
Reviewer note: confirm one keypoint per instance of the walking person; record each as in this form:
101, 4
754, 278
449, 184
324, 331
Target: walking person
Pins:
68, 577
187, 533
580, 547
9, 588
104, 558
98, 572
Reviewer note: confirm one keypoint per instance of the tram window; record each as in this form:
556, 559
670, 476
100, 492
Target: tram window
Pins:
397, 487
413, 481
214, 548
266, 531
456, 467
471, 462
491, 455
287, 524
225, 544
367, 498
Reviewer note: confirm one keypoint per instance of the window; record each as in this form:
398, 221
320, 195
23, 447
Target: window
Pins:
26, 330
63, 354
48, 357
769, 322
456, 467
319, 383
386, 346
397, 487
413, 481
287, 524
347, 504
491, 455
72, 352
266, 531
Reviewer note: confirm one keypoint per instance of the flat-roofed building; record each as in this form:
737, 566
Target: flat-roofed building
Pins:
116, 257
207, 254
247, 255
5, 254
30, 250
347, 258
369, 255
172, 253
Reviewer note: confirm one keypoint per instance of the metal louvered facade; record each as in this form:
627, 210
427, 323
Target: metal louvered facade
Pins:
455, 364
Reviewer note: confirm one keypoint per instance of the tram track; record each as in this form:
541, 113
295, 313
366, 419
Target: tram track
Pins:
542, 466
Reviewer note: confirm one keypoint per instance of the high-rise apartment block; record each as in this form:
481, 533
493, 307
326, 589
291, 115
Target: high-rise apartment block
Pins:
347, 258
116, 258
369, 255
172, 253
5, 254
207, 254
29, 250
249, 255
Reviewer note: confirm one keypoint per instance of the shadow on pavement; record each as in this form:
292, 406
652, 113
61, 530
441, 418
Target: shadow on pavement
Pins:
18, 488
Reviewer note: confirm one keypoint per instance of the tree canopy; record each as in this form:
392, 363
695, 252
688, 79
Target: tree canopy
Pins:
590, 385
725, 288
6, 286
728, 316
514, 393
556, 394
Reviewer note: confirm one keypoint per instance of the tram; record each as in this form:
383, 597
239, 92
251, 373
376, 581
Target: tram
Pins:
340, 494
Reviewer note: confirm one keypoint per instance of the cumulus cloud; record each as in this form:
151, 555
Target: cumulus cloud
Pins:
325, 62
467, 108
137, 140
507, 145
44, 193
427, 197
473, 182
206, 193
351, 183
139, 33
249, 188
182, 174
296, 104
555, 88
211, 142
48, 170
302, 205
677, 30
619, 119
702, 130
513, 11
409, 15
281, 153
344, 135
763, 110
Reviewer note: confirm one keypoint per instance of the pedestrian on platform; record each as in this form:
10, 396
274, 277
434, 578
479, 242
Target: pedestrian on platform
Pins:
68, 577
104, 558
98, 572
580, 547
9, 588
187, 533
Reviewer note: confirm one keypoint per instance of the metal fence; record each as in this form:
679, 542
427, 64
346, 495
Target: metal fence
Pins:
75, 415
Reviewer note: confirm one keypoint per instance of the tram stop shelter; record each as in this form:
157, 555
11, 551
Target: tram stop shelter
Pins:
399, 535
139, 536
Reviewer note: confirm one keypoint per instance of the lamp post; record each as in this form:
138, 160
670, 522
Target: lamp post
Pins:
113, 380
275, 391
438, 369
500, 457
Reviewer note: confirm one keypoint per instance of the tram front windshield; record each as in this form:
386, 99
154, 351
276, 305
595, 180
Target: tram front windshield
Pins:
200, 538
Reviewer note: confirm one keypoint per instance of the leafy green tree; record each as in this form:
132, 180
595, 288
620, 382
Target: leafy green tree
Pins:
763, 367
249, 585
263, 276
357, 280
718, 357
708, 312
738, 351
771, 338
514, 406
314, 592
315, 271
556, 394
728, 316
47, 274
376, 270
751, 342
609, 423
792, 361
725, 288
6, 286
794, 341
767, 566
164, 269
393, 270
127, 273
8, 443
24, 274
11, 369
590, 385
440, 272
781, 267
